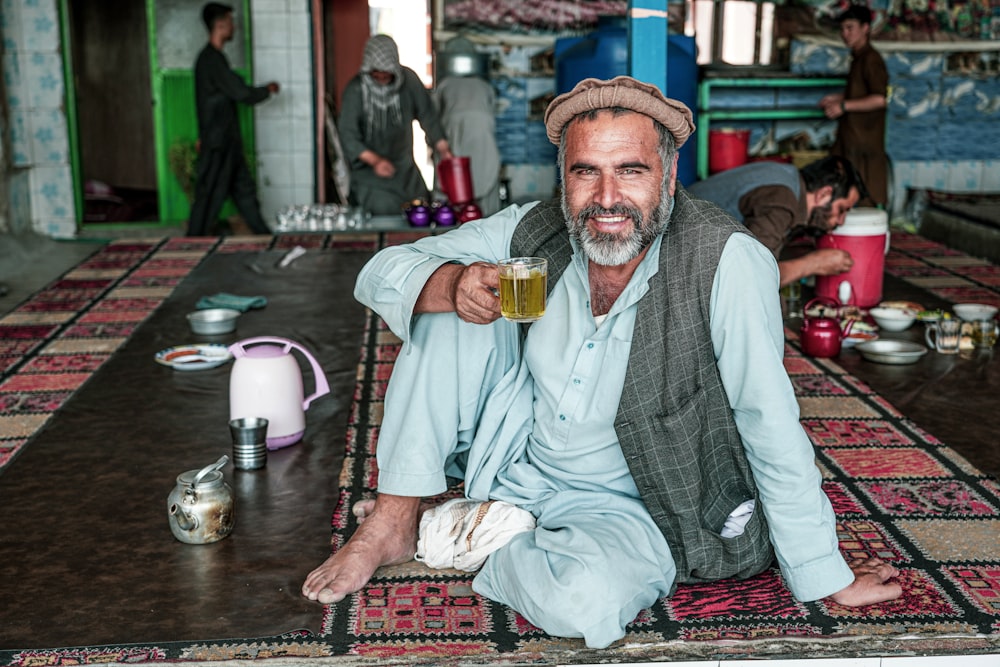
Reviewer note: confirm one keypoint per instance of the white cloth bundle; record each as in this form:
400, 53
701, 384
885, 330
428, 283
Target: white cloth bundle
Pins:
738, 519
461, 533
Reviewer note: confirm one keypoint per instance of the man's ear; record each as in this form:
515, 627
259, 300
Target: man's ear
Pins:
823, 196
673, 175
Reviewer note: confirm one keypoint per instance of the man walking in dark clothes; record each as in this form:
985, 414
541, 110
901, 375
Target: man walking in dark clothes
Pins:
222, 168
861, 109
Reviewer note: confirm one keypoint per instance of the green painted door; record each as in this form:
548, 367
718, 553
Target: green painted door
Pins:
176, 35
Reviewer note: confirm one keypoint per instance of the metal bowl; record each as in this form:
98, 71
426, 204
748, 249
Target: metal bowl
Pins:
972, 312
886, 351
213, 320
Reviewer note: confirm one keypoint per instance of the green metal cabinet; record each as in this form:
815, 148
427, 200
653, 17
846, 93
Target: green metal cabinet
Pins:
707, 113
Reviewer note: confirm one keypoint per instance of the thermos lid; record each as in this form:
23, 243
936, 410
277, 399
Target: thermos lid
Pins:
863, 221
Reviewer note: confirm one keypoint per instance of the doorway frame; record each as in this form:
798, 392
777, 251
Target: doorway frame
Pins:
164, 176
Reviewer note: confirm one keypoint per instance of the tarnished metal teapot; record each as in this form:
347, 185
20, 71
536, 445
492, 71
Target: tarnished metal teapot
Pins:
201, 508
820, 335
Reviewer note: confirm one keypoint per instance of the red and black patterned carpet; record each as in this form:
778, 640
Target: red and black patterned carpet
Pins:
899, 493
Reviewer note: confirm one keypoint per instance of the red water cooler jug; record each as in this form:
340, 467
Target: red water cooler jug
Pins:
864, 234
455, 177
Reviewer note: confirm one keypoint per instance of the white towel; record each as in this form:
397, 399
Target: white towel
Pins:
461, 533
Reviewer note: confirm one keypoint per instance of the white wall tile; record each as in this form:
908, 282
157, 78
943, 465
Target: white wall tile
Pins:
270, 30
51, 193
13, 78
20, 138
19, 200
43, 77
48, 137
302, 195
991, 176
964, 175
40, 26
274, 169
274, 135
58, 228
301, 101
303, 139
274, 107
299, 30
531, 182
269, 6
10, 25
300, 65
267, 68
931, 174
303, 170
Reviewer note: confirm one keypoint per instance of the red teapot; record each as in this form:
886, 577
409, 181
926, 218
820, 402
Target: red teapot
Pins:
821, 335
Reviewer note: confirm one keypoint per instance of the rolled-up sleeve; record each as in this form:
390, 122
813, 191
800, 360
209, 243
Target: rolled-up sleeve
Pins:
747, 333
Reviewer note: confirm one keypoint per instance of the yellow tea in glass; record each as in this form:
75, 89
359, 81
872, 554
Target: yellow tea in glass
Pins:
522, 288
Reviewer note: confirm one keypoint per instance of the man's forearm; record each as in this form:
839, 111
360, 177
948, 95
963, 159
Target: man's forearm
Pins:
790, 270
438, 295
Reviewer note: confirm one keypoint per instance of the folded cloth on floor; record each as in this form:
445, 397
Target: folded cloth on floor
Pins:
223, 300
738, 519
461, 533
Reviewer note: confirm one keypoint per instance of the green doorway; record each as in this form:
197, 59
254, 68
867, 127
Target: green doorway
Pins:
130, 106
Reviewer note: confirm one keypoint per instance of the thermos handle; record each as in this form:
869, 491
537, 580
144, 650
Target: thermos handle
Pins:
322, 386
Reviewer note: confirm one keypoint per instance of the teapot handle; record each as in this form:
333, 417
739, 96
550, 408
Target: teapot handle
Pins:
223, 460
823, 301
322, 386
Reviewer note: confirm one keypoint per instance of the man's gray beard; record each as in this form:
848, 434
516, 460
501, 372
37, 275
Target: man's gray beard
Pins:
608, 249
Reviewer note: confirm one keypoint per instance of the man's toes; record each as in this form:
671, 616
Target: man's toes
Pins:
326, 596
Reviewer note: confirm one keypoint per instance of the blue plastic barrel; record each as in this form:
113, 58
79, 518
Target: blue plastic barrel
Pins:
603, 54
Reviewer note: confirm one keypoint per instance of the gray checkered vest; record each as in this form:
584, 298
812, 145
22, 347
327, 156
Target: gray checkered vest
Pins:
674, 421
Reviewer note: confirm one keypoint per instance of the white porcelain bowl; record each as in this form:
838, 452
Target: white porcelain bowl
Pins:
893, 319
973, 312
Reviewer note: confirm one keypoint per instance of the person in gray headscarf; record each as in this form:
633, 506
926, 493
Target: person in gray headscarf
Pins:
376, 130
467, 112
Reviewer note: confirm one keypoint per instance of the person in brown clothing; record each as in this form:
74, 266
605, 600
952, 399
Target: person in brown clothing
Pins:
778, 202
860, 109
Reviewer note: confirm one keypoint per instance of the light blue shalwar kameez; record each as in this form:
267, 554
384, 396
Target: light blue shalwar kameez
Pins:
538, 431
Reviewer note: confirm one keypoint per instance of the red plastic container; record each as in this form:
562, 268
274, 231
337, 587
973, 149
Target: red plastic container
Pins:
727, 148
864, 234
455, 177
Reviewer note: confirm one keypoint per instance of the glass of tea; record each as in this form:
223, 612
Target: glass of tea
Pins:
523, 286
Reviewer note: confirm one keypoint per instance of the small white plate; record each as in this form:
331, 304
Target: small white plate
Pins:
179, 357
852, 340
892, 351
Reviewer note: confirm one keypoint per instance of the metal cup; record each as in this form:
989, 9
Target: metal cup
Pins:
249, 442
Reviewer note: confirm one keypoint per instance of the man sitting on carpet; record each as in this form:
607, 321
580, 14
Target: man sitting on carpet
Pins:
646, 422
778, 202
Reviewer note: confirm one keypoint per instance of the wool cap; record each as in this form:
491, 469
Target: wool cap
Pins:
624, 92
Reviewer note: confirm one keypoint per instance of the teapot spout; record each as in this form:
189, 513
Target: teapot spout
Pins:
185, 520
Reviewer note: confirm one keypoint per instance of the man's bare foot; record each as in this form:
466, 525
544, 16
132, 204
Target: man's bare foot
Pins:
871, 584
363, 509
387, 536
